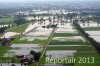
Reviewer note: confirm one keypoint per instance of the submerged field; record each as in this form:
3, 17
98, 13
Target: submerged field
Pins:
65, 44
59, 42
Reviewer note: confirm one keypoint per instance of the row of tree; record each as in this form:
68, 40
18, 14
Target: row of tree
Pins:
95, 44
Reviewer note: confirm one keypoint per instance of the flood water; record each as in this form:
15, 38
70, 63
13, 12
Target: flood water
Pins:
60, 53
22, 49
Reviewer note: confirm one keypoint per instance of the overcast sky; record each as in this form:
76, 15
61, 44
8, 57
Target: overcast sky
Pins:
41, 0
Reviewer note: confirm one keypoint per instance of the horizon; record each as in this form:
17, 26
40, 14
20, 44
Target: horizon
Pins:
14, 1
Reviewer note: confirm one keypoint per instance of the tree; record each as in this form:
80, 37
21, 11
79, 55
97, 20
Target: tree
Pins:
98, 22
36, 55
32, 52
50, 19
41, 21
54, 19
88, 22
83, 21
2, 29
19, 21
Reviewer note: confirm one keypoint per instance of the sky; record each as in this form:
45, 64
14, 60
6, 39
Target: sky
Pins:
41, 0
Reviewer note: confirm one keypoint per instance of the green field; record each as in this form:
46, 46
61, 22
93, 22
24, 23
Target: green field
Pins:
4, 49
36, 41
78, 48
7, 20
30, 42
68, 43
87, 63
18, 29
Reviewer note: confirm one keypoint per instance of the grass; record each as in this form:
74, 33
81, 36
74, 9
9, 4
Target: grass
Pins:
19, 29
11, 59
7, 20
68, 43
92, 28
87, 64
40, 41
36, 41
65, 34
78, 48
96, 63
96, 59
3, 49
17, 40
86, 52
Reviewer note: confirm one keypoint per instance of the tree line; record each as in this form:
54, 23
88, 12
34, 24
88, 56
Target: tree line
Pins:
94, 43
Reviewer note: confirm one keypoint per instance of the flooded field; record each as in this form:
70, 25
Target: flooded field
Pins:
10, 34
67, 28
32, 31
60, 53
71, 45
22, 49
38, 33
91, 24
74, 38
95, 35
